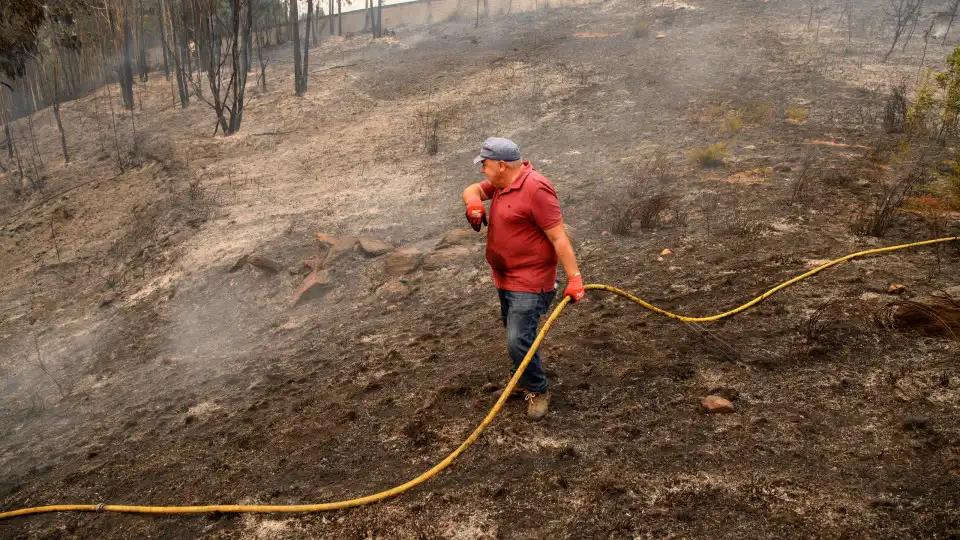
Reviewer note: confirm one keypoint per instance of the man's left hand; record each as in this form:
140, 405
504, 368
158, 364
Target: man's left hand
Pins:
575, 289
476, 215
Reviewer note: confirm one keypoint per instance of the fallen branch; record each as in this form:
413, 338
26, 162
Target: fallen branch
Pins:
275, 133
36, 343
338, 66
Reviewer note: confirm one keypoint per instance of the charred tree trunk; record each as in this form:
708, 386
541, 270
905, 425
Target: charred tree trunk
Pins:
305, 67
211, 45
248, 41
190, 28
297, 59
219, 41
263, 63
203, 48
161, 13
339, 17
330, 16
57, 68
379, 18
238, 75
142, 66
176, 54
125, 70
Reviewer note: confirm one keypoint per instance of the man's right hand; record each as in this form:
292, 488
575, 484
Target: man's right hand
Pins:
476, 214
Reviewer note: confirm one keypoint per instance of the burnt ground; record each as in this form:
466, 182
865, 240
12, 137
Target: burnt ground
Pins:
167, 379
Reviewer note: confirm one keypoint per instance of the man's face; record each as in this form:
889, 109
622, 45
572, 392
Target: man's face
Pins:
494, 170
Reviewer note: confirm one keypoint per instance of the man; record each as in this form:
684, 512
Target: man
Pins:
525, 239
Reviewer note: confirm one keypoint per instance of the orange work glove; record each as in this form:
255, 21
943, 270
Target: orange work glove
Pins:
575, 288
476, 215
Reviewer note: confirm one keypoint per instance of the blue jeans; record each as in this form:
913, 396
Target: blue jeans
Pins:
521, 312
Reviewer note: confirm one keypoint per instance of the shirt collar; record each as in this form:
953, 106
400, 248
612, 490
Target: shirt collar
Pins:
527, 169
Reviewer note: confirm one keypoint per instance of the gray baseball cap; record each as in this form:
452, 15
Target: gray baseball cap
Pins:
499, 149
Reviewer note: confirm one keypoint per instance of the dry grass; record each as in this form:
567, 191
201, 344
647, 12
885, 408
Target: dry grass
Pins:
902, 182
716, 108
709, 156
644, 205
732, 125
430, 123
833, 325
641, 208
756, 112
895, 110
800, 186
797, 114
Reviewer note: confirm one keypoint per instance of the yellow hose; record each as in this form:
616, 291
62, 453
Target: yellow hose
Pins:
473, 436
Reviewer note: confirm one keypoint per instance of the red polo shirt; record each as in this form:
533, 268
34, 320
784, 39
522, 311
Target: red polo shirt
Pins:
519, 252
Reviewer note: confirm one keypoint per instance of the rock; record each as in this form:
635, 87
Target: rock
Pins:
729, 394
403, 261
716, 404
445, 257
373, 248
239, 264
342, 244
661, 35
338, 245
313, 286
264, 263
395, 289
326, 240
896, 288
107, 299
666, 252
605, 233
489, 388
457, 237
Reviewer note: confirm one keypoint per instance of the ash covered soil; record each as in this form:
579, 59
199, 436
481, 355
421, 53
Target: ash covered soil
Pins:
142, 366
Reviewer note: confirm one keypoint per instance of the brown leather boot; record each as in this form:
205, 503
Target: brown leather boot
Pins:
537, 405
